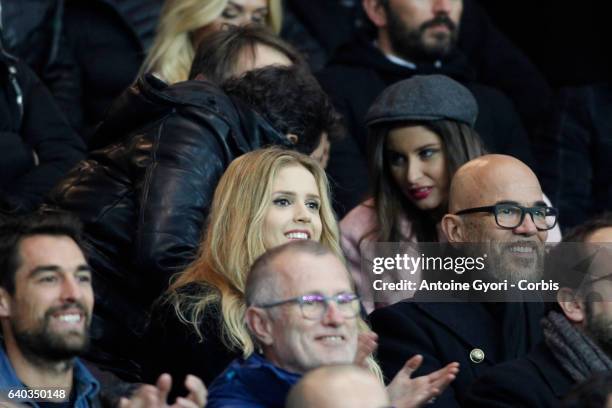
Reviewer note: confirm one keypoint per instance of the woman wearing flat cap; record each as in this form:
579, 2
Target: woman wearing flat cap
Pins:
421, 130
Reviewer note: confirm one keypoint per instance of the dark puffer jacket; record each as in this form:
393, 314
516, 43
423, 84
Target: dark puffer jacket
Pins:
144, 197
33, 30
37, 145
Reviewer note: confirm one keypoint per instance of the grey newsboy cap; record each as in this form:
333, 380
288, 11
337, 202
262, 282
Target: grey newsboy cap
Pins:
424, 98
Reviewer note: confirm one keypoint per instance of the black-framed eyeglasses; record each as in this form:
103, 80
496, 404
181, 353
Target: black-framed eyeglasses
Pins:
314, 306
512, 215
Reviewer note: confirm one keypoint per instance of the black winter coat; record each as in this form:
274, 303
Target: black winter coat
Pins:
37, 145
109, 40
447, 332
534, 381
359, 72
144, 198
577, 172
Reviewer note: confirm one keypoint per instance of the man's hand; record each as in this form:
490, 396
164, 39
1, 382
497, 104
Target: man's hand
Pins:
155, 396
406, 392
366, 344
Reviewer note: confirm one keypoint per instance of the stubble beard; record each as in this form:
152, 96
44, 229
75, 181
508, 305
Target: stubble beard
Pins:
599, 328
410, 44
43, 346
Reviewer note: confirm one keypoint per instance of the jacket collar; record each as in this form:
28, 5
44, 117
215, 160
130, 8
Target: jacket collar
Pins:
86, 386
249, 129
361, 52
254, 380
267, 381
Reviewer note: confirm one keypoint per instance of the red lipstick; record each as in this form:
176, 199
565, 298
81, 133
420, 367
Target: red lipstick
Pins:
420, 193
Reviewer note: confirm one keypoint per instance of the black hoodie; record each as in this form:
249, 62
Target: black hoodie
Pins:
359, 72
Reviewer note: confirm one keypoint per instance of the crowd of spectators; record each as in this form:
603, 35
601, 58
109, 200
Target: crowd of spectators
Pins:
190, 189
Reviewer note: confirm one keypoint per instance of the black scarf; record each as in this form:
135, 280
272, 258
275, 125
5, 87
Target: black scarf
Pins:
574, 350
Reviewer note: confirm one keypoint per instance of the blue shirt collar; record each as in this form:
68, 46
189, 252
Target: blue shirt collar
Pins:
257, 360
86, 386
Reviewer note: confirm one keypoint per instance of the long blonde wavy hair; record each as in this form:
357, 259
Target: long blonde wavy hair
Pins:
234, 240
172, 51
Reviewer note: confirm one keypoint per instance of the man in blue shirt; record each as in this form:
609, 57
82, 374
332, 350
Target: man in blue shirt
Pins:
46, 303
46, 300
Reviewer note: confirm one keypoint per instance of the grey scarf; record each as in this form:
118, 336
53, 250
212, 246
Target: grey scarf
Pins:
574, 350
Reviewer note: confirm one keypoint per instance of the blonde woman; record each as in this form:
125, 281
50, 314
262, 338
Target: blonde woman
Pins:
265, 198
184, 23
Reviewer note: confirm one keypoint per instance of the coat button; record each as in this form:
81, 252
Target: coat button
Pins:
477, 355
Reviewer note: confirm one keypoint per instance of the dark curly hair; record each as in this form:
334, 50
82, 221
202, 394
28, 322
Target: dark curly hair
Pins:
291, 100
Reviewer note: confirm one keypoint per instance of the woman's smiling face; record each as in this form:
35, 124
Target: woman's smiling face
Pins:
293, 211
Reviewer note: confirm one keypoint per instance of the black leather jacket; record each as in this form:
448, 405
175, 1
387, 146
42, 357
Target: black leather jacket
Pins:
144, 197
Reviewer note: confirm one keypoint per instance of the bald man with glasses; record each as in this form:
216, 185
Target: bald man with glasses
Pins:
495, 203
303, 314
